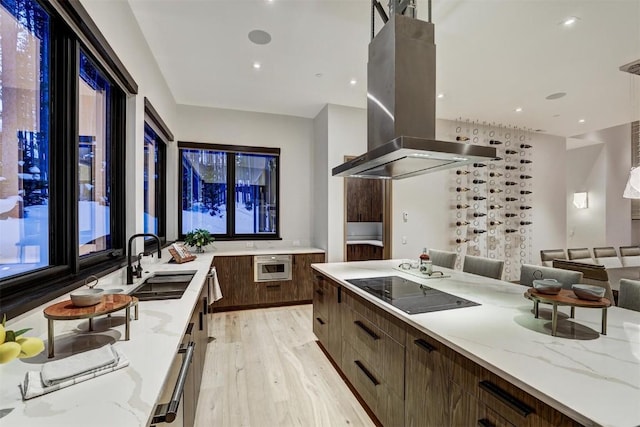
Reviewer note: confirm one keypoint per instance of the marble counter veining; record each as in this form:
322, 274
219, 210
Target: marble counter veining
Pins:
592, 378
221, 251
126, 397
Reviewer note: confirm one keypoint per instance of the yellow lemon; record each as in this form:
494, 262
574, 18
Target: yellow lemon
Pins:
2, 334
29, 346
9, 351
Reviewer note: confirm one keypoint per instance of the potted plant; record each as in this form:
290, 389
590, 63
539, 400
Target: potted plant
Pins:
198, 238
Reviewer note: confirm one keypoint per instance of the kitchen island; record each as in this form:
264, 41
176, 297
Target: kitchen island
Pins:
126, 397
588, 378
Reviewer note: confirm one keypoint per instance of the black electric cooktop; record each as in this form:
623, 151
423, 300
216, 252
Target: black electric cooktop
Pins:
409, 296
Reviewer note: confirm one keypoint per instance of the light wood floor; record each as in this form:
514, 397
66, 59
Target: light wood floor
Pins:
265, 369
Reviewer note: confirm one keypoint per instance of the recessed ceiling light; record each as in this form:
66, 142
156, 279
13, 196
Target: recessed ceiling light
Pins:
353, 82
556, 95
569, 21
519, 110
259, 37
581, 121
440, 95
257, 65
318, 75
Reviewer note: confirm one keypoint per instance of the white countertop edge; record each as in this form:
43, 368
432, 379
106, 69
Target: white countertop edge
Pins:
366, 242
575, 414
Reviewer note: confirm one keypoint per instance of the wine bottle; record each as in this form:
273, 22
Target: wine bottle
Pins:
525, 161
495, 174
510, 168
525, 146
495, 222
510, 183
525, 207
479, 181
462, 240
495, 190
526, 222
510, 230
525, 177
462, 138
462, 189
476, 231
510, 151
510, 215
510, 199
462, 223
479, 165
494, 142
479, 198
525, 192
463, 206
479, 214
496, 207
461, 172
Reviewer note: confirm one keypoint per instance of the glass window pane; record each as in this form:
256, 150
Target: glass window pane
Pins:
255, 194
204, 190
151, 144
24, 137
94, 147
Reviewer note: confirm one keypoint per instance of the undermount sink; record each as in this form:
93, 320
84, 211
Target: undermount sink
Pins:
164, 285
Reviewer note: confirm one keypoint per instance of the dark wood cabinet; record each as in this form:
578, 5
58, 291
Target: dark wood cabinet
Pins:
239, 290
327, 297
363, 252
364, 199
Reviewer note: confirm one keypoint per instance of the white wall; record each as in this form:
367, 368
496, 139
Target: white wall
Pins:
602, 170
293, 135
119, 26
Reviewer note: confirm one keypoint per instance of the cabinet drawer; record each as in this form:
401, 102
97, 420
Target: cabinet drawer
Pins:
376, 348
321, 295
381, 319
321, 327
370, 385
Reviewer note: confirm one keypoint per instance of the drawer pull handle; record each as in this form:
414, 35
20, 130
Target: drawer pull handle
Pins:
320, 320
366, 372
189, 330
339, 294
272, 286
518, 406
367, 330
319, 292
483, 422
424, 345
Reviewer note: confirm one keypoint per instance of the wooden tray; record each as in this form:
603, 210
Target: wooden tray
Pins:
65, 310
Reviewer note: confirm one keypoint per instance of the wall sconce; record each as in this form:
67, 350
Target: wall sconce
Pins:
580, 200
632, 190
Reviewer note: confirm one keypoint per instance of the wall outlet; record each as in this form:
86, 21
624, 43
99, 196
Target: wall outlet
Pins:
249, 244
405, 216
296, 243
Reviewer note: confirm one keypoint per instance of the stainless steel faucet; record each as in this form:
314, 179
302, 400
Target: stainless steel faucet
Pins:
130, 272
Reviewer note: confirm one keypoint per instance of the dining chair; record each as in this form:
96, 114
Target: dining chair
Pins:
607, 256
483, 266
548, 255
630, 256
629, 294
444, 259
529, 273
592, 274
580, 254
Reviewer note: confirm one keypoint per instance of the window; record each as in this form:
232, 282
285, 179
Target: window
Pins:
62, 190
156, 136
232, 192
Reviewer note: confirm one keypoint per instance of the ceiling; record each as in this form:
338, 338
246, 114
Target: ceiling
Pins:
492, 57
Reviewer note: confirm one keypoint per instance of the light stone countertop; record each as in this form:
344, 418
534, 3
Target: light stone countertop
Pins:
222, 251
123, 398
366, 242
592, 378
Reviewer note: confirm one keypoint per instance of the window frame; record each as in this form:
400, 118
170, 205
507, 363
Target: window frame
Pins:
231, 151
66, 269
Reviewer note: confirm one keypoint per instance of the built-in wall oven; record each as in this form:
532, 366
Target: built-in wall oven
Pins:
269, 268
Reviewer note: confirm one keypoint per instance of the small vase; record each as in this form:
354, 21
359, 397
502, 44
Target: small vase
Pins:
199, 249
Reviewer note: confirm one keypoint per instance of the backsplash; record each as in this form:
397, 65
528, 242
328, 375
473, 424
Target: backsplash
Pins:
364, 231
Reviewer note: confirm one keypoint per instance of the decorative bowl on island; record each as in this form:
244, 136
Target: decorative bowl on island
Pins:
588, 292
86, 297
547, 286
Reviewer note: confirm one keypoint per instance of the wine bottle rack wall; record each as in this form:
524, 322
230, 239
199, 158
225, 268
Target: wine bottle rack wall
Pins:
492, 206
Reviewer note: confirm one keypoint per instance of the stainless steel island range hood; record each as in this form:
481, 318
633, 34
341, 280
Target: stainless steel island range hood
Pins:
401, 106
